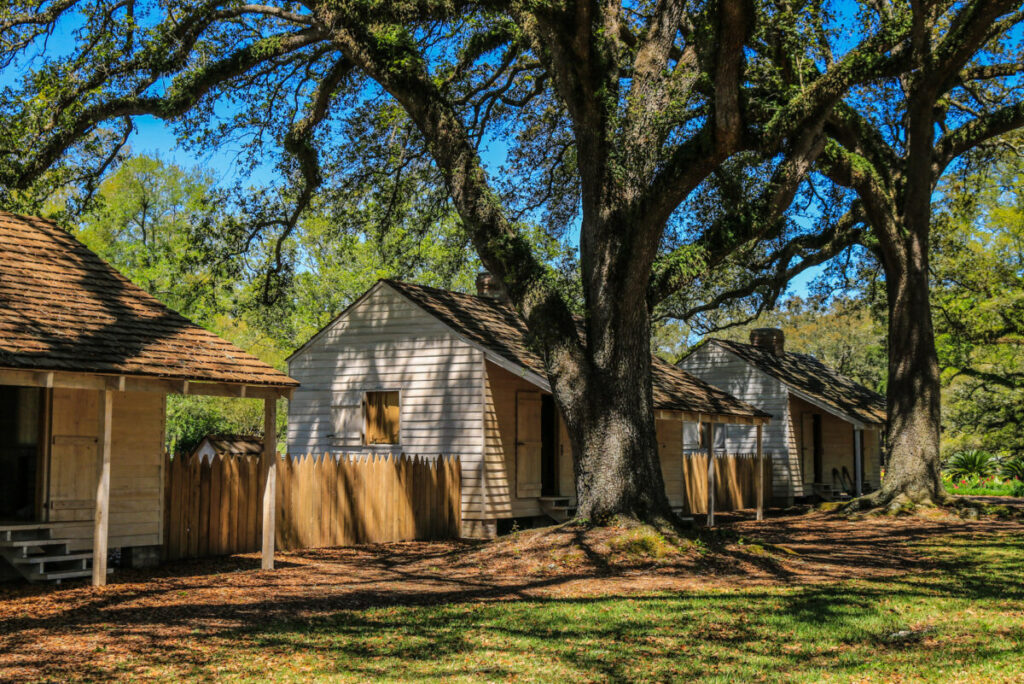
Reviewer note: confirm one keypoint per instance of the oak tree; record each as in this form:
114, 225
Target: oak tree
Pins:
612, 114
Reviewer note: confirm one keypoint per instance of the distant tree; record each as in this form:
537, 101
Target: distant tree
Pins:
161, 226
890, 145
612, 113
977, 268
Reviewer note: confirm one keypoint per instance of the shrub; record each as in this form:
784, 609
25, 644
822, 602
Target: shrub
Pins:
972, 463
1013, 468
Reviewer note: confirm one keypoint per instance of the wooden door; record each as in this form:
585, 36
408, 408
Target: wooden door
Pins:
807, 450
529, 444
74, 455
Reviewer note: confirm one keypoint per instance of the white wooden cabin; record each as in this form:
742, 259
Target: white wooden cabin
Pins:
418, 370
87, 360
825, 433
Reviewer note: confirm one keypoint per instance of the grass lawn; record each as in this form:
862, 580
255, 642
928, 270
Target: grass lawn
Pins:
801, 598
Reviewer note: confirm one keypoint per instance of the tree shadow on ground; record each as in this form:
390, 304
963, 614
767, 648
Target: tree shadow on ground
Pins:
426, 609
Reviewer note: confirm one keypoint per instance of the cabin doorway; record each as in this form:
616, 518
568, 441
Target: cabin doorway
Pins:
536, 445
21, 440
549, 448
813, 450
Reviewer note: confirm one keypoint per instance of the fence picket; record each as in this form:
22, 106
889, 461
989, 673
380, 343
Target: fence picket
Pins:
213, 508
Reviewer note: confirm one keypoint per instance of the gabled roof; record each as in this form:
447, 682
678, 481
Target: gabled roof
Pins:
813, 381
234, 444
496, 327
62, 308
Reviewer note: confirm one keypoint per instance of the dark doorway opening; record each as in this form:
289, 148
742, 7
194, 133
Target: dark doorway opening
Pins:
20, 431
548, 450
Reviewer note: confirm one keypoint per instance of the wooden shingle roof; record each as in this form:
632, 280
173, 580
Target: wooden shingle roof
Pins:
497, 327
62, 308
809, 376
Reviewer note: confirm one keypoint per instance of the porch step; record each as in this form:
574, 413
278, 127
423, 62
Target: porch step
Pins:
58, 576
558, 508
13, 531
36, 555
32, 543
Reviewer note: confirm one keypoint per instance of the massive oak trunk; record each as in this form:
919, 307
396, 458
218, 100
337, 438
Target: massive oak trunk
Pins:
610, 413
611, 426
913, 394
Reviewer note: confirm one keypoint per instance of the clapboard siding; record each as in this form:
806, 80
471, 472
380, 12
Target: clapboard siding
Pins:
387, 342
719, 368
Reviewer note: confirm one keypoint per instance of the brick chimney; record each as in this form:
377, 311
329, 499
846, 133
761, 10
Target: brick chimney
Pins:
771, 339
488, 287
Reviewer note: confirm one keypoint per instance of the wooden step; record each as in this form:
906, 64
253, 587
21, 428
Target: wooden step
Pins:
12, 532
17, 527
10, 543
59, 575
52, 558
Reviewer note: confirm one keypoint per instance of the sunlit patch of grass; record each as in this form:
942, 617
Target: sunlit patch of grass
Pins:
962, 620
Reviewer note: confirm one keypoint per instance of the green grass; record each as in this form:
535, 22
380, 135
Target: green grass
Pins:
965, 617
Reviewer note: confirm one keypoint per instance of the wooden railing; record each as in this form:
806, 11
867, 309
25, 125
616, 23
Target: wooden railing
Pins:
213, 506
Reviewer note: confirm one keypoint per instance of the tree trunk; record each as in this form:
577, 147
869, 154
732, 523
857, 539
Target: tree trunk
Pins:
610, 414
913, 469
617, 468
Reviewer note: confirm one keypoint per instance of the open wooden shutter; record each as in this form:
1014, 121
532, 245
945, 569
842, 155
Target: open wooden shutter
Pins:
528, 444
74, 455
346, 418
382, 416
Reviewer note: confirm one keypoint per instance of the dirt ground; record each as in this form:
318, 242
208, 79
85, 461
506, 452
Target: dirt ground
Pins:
46, 630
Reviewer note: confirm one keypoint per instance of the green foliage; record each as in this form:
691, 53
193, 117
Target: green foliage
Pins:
978, 303
972, 463
1013, 468
989, 485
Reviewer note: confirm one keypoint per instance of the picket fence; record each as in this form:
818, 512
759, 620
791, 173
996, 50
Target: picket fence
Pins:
735, 481
213, 506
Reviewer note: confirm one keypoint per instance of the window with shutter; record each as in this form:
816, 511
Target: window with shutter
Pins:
381, 417
346, 418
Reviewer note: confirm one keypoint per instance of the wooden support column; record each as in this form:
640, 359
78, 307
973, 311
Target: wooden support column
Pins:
101, 530
858, 460
270, 487
760, 475
711, 474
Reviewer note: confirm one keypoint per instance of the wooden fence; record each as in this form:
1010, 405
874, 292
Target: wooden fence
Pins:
213, 506
735, 481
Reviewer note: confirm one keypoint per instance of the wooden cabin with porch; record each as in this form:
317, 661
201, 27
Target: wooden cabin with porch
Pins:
87, 360
414, 369
825, 438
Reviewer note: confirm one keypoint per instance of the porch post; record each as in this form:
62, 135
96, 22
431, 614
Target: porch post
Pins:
102, 518
858, 459
270, 482
711, 474
760, 476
